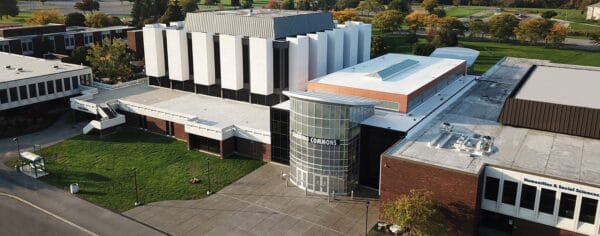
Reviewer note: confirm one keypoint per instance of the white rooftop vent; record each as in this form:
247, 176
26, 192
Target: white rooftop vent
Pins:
394, 69
8, 67
20, 69
475, 145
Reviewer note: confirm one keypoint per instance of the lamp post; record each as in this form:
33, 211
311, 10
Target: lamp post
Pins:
15, 139
208, 176
137, 196
367, 219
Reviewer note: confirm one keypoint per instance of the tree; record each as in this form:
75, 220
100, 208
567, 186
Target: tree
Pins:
272, 4
367, 7
99, 20
323, 5
139, 12
379, 46
288, 5
235, 3
247, 3
78, 56
87, 5
8, 8
502, 26
400, 5
189, 6
415, 20
388, 20
344, 15
449, 28
43, 17
111, 60
549, 14
306, 5
557, 35
532, 30
423, 49
74, 19
345, 4
439, 11
417, 211
429, 5
478, 27
173, 13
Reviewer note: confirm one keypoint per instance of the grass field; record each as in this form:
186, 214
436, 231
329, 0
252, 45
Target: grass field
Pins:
464, 11
103, 168
17, 19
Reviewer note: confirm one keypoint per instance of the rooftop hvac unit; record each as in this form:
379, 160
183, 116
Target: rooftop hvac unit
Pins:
485, 145
446, 127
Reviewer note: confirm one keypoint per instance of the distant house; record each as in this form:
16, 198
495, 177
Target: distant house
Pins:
593, 12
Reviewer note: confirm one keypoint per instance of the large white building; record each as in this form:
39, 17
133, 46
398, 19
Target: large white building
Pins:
593, 12
251, 56
28, 80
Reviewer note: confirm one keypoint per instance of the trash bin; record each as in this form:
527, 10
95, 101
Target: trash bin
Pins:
74, 188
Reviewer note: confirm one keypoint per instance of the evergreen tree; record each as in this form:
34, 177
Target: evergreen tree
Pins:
8, 8
139, 12
173, 13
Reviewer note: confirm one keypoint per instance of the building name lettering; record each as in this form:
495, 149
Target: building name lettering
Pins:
561, 187
322, 141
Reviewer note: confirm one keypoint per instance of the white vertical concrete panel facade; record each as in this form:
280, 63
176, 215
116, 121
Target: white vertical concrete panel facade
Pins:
153, 50
298, 62
177, 52
350, 45
364, 42
335, 50
261, 66
230, 50
204, 58
317, 55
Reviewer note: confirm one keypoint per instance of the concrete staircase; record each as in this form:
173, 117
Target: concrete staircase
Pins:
109, 118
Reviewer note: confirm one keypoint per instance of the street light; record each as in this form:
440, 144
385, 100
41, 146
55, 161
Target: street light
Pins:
208, 174
15, 139
367, 219
137, 196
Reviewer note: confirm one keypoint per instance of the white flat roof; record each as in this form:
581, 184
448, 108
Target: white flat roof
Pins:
466, 54
566, 86
404, 79
31, 67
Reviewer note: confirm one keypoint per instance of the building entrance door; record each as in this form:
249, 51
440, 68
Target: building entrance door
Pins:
301, 178
321, 183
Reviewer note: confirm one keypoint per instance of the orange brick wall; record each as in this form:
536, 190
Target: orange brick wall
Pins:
397, 98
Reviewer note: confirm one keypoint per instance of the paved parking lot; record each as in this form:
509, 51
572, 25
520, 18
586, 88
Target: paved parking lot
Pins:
260, 204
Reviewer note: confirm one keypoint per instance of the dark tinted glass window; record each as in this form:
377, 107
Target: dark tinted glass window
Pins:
587, 213
23, 91
547, 200
75, 82
567, 205
59, 87
42, 88
491, 188
14, 95
50, 87
528, 196
3, 96
509, 192
67, 82
32, 91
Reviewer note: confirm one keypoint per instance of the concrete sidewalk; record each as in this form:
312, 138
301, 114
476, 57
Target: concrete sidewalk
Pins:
260, 204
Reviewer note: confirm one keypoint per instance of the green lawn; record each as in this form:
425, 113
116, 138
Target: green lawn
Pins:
464, 11
17, 19
103, 168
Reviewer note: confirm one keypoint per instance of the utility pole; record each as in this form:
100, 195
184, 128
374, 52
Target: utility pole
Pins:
137, 196
15, 139
208, 173
367, 219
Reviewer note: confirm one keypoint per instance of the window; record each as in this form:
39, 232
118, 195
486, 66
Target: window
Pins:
50, 86
67, 82
491, 188
528, 196
27, 46
567, 205
32, 91
587, 213
88, 39
509, 192
547, 198
3, 96
23, 91
14, 95
75, 82
70, 41
4, 47
59, 86
51, 43
42, 88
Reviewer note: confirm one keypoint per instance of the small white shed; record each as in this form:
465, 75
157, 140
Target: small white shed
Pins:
593, 12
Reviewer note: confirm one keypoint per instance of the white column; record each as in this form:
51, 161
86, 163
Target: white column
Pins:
204, 58
317, 66
261, 66
364, 42
154, 58
350, 44
298, 62
335, 50
177, 52
230, 49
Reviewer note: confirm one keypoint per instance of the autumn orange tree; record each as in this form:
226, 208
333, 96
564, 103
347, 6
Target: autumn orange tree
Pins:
557, 35
43, 17
344, 15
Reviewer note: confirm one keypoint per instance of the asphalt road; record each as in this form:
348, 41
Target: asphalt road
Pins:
19, 218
